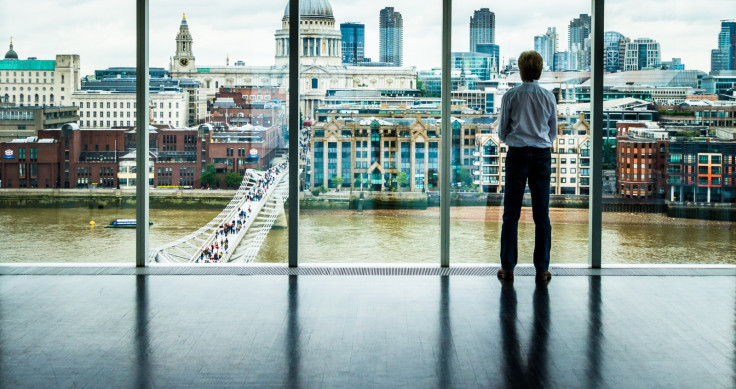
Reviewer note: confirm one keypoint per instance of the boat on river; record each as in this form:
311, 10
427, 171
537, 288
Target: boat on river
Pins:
124, 223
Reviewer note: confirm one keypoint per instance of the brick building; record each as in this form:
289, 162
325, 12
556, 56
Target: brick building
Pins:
71, 157
641, 160
656, 162
29, 163
235, 149
256, 105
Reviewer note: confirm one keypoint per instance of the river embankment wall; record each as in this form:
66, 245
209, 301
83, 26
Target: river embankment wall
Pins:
113, 198
218, 199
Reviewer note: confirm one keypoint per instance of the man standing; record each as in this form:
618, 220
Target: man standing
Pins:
528, 125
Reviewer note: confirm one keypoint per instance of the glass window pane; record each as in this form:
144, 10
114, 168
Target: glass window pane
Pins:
230, 143
372, 135
667, 200
485, 62
67, 173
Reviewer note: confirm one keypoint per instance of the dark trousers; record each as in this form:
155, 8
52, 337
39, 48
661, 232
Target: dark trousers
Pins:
532, 165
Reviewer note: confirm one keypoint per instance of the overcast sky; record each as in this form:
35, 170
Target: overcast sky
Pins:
102, 32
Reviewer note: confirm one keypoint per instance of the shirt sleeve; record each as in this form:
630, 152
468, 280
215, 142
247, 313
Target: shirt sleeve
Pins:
503, 124
552, 121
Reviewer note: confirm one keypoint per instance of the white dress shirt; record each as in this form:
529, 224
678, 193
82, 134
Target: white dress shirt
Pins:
528, 116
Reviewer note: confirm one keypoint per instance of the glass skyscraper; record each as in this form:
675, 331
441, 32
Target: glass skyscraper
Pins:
724, 57
353, 42
482, 28
391, 42
578, 31
546, 46
613, 61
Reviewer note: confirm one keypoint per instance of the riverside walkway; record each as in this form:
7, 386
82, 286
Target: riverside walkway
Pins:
235, 235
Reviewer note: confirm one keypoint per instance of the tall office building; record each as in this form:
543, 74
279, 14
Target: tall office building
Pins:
546, 46
724, 57
578, 31
391, 42
642, 53
353, 42
482, 28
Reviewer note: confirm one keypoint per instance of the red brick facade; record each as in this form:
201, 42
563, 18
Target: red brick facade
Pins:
641, 164
72, 157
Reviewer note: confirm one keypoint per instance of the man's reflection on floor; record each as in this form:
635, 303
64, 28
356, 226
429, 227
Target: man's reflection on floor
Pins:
532, 370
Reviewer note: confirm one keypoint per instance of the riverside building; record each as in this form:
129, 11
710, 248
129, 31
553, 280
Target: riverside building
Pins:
570, 161
675, 163
701, 170
71, 156
389, 152
641, 159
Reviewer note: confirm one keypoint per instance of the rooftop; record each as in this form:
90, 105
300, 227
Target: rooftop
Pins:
27, 64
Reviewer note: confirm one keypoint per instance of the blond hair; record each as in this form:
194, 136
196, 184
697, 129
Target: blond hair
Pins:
530, 65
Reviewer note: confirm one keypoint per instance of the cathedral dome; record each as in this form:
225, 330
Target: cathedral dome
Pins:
11, 54
312, 9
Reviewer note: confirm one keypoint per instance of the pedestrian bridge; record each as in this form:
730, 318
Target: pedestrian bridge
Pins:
264, 194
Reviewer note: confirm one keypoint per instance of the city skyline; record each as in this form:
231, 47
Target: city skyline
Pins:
688, 32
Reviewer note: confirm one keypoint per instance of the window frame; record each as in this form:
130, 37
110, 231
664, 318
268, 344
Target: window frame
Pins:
596, 121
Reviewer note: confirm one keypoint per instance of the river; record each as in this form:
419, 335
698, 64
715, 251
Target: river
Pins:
64, 235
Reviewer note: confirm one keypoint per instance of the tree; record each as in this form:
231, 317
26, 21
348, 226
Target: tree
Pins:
209, 178
358, 183
464, 178
320, 189
233, 180
402, 179
337, 181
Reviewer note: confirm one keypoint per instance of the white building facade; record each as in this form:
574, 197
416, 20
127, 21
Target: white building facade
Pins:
570, 164
101, 109
642, 53
34, 82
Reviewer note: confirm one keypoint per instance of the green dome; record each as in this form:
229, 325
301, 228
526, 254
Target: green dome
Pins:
11, 54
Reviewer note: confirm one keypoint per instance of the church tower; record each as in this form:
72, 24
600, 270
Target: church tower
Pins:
183, 60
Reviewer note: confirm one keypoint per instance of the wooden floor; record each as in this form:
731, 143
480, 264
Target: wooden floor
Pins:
372, 331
